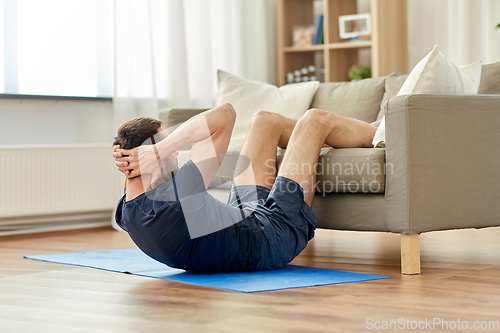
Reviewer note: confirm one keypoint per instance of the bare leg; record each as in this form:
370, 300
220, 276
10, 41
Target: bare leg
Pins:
311, 131
267, 132
348, 132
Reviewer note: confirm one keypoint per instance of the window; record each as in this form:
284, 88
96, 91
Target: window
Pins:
56, 47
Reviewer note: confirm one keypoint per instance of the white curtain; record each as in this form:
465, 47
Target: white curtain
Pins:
468, 33
464, 29
167, 52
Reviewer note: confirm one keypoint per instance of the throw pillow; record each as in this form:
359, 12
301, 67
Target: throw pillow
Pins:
356, 99
490, 82
435, 74
249, 97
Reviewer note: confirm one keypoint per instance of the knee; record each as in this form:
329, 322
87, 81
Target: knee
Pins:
228, 112
317, 114
267, 119
318, 119
262, 116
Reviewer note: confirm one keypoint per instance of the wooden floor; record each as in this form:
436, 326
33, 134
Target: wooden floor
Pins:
460, 280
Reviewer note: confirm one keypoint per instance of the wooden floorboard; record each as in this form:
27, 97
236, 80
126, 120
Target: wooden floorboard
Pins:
460, 280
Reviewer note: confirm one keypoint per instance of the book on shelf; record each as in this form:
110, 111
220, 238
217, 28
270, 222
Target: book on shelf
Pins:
318, 34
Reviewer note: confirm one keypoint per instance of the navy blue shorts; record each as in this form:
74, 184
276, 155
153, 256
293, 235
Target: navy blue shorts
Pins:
287, 220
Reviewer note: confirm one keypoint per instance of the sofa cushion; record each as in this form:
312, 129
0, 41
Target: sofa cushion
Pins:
349, 170
356, 99
490, 79
249, 97
393, 83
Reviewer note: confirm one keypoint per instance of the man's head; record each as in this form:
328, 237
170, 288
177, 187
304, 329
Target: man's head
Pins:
135, 132
146, 131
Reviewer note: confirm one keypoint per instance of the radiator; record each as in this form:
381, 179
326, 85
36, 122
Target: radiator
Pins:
46, 186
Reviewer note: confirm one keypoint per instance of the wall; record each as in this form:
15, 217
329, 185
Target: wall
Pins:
421, 29
28, 122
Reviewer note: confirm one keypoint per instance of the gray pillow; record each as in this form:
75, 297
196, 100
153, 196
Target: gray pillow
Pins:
356, 99
490, 79
393, 83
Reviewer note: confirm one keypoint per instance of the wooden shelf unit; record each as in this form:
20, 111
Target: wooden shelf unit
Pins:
388, 44
321, 47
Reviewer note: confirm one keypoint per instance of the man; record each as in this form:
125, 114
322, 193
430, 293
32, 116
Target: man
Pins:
268, 219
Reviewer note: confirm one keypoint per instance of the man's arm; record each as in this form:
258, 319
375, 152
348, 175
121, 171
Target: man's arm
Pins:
210, 131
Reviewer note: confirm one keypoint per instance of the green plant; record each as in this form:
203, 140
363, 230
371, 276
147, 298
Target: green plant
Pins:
359, 72
498, 25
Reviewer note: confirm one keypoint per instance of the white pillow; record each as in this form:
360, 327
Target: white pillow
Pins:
436, 75
249, 97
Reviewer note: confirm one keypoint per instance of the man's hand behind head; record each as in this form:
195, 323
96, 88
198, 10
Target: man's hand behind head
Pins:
127, 161
132, 134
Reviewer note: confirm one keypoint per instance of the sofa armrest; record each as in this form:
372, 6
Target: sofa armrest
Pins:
172, 117
443, 162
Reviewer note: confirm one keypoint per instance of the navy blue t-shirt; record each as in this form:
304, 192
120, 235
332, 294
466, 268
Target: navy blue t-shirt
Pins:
157, 224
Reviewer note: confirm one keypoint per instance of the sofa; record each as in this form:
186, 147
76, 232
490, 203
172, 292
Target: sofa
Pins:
439, 170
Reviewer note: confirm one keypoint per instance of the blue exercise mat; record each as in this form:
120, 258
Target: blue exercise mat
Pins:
135, 262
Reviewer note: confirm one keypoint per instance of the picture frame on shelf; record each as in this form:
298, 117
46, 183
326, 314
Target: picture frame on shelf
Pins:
302, 35
352, 26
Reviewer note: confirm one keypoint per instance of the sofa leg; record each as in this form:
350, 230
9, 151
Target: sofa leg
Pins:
410, 254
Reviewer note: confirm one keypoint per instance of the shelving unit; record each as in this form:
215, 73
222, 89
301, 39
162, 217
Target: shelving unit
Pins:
388, 44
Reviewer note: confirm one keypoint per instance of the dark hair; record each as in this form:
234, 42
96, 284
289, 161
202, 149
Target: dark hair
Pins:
134, 132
